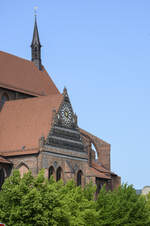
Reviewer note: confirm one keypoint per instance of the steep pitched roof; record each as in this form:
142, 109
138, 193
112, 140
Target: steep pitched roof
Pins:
23, 122
23, 76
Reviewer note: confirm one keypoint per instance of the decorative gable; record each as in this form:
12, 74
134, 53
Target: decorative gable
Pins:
64, 131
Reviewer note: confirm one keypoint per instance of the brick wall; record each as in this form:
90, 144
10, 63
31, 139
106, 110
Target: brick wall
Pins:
102, 148
30, 162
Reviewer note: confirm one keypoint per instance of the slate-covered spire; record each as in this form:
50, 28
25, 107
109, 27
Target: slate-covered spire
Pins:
36, 47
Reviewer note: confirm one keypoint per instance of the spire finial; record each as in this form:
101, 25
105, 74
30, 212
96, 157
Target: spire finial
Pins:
35, 10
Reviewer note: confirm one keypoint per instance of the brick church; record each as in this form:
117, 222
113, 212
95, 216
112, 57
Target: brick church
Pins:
39, 129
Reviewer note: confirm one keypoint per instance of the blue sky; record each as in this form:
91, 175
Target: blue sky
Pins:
99, 50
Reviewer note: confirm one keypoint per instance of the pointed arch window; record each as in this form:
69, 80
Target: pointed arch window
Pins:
50, 172
2, 177
79, 178
58, 174
23, 168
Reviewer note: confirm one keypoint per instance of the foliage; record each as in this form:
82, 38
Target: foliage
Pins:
148, 203
122, 207
36, 201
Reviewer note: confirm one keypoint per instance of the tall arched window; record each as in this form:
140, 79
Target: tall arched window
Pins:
58, 174
23, 169
2, 176
4, 98
50, 172
79, 178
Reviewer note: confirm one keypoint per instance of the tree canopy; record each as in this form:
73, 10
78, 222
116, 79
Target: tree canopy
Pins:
37, 201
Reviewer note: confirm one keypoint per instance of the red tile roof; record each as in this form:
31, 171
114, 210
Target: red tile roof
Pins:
99, 167
23, 122
91, 172
23, 76
3, 160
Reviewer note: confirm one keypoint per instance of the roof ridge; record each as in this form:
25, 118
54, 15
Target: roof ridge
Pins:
3, 52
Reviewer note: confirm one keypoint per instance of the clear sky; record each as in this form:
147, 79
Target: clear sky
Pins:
99, 50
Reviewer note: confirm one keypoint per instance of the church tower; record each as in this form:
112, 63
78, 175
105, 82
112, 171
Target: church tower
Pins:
36, 47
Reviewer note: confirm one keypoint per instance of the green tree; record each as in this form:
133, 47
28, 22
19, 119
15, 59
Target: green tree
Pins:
37, 201
31, 201
148, 203
79, 203
122, 207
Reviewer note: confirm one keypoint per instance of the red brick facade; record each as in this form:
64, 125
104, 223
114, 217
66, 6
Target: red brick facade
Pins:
40, 130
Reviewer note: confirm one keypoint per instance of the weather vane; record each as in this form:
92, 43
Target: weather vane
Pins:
35, 10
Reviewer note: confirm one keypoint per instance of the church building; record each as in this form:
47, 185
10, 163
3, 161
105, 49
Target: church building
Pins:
39, 129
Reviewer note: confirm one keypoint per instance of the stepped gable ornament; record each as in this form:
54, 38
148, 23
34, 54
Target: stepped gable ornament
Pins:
54, 117
65, 116
54, 123
41, 141
64, 131
69, 119
65, 93
75, 120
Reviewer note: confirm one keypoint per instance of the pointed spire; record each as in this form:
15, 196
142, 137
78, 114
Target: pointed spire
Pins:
36, 39
36, 47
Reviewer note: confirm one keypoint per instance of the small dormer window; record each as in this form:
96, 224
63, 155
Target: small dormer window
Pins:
4, 98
